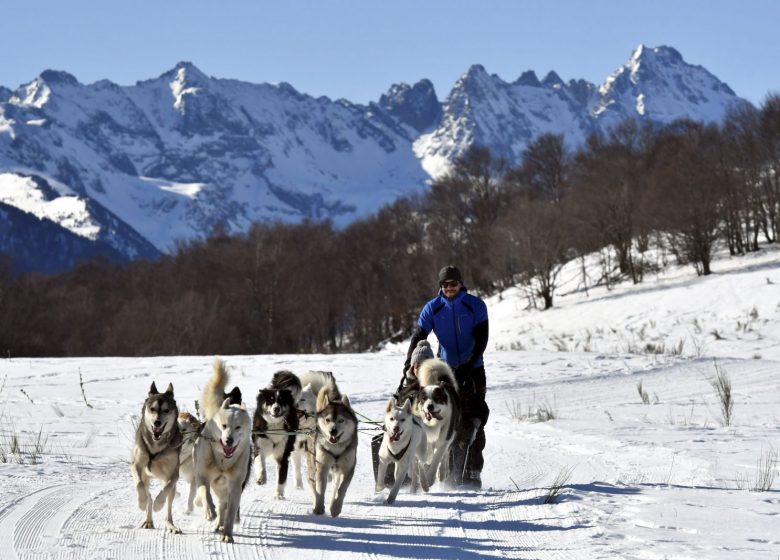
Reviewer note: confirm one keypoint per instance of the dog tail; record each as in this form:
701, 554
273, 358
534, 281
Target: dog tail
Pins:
328, 393
213, 393
317, 380
433, 372
287, 380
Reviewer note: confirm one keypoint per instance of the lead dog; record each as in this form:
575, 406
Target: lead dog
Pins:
335, 447
190, 428
274, 425
437, 405
222, 453
405, 445
156, 454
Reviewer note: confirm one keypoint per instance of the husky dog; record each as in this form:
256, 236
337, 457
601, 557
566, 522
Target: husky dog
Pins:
405, 445
190, 427
437, 405
222, 453
274, 422
335, 448
312, 382
156, 454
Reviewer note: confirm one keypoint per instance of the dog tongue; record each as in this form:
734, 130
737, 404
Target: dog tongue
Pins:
395, 436
333, 439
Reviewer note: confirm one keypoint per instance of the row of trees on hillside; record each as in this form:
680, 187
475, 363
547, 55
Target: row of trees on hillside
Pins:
309, 287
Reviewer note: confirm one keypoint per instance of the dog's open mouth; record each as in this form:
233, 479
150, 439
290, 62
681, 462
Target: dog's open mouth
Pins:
433, 414
157, 432
228, 451
395, 436
334, 438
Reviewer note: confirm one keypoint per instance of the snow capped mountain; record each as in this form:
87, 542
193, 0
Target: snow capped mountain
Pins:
657, 84
174, 157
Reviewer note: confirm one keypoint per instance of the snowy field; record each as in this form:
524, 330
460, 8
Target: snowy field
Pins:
664, 479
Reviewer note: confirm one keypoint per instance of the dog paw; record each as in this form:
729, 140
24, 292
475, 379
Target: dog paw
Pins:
147, 525
279, 497
379, 487
227, 539
173, 529
211, 515
319, 510
335, 510
261, 479
390, 500
299, 485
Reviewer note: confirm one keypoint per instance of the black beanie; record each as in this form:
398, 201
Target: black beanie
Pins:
450, 273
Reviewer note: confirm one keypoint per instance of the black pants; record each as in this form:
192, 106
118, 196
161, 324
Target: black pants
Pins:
468, 461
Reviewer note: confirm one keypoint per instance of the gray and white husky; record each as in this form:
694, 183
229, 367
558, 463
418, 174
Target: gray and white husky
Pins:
156, 454
222, 453
274, 425
312, 383
438, 406
335, 448
405, 445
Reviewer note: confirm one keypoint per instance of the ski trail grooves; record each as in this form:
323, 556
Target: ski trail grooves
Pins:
18, 524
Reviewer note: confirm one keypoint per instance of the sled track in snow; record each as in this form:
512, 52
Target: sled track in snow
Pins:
99, 519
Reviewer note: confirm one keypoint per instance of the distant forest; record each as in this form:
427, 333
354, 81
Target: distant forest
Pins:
310, 287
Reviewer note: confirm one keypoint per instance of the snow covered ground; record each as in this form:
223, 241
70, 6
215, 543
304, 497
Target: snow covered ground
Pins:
659, 480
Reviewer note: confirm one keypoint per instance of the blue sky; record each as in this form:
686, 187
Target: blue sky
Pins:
357, 48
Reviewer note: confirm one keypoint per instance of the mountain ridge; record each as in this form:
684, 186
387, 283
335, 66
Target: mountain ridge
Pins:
176, 156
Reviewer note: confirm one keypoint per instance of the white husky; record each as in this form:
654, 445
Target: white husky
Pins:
222, 453
437, 405
312, 382
405, 445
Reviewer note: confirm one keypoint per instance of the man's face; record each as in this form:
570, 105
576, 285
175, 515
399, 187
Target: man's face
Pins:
450, 288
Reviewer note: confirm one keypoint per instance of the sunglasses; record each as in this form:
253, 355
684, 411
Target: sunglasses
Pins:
450, 284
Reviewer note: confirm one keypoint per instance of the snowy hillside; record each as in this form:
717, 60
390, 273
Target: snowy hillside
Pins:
659, 480
174, 157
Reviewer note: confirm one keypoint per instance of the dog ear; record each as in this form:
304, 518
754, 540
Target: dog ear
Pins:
226, 403
408, 405
170, 388
345, 402
153, 390
390, 404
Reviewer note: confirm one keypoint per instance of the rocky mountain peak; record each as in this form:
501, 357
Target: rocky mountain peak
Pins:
416, 106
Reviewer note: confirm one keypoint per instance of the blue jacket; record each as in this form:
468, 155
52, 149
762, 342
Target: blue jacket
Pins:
453, 322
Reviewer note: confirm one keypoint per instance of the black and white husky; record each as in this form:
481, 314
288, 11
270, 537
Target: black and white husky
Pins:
335, 448
404, 445
273, 427
222, 453
438, 406
156, 455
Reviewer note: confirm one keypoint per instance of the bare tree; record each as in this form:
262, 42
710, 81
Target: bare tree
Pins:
689, 190
610, 186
